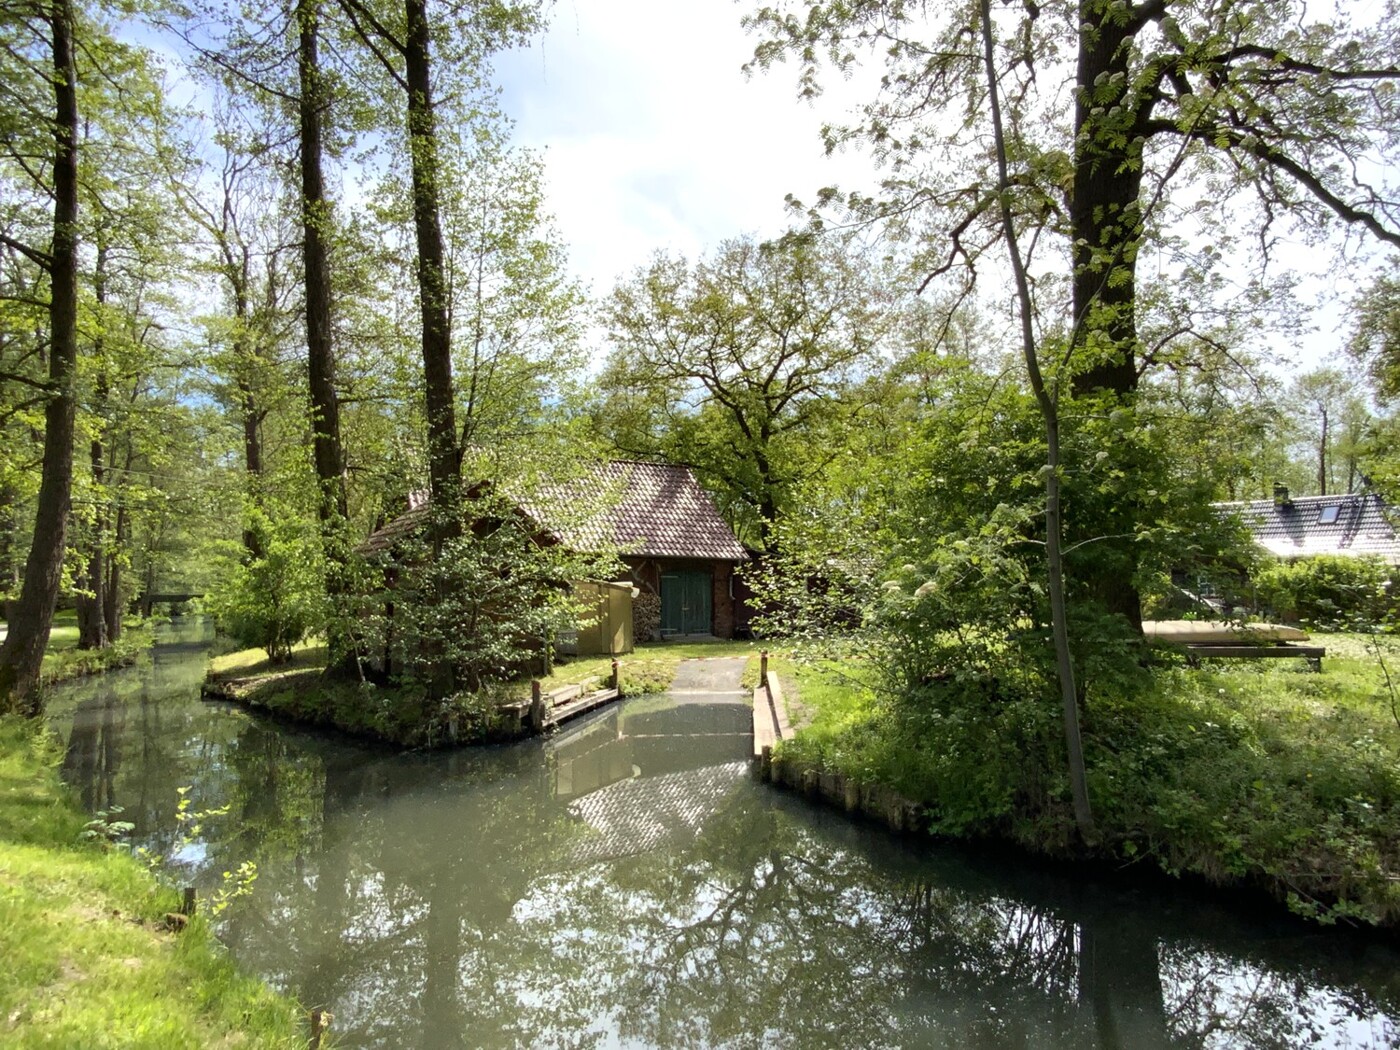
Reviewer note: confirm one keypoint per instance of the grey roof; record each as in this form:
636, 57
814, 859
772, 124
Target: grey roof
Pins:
1293, 528
651, 510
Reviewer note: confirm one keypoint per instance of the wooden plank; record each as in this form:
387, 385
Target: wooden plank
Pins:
765, 728
1259, 651
779, 705
580, 706
564, 695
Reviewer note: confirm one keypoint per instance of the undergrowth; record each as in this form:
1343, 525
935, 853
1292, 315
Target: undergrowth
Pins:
1243, 773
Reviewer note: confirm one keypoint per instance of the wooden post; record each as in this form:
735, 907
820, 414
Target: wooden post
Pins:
187, 905
616, 679
320, 1024
537, 710
763, 668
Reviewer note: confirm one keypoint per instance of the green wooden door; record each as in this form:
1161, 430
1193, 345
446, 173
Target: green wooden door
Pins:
685, 603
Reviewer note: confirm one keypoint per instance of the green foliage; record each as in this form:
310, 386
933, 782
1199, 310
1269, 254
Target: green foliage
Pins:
87, 959
1328, 591
274, 601
744, 365
1267, 775
63, 662
472, 598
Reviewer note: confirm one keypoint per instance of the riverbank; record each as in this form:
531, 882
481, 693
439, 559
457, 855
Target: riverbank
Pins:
64, 661
90, 958
300, 691
1244, 774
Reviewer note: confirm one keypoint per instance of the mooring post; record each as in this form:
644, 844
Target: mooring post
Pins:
320, 1024
187, 905
763, 668
616, 680
536, 706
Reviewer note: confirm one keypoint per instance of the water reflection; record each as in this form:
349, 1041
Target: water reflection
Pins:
626, 884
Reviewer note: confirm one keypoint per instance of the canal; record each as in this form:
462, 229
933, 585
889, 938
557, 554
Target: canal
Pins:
625, 883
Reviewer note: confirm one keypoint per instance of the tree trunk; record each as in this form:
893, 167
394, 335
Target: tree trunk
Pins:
432, 284
1322, 456
22, 652
113, 608
1106, 230
320, 353
1048, 403
92, 619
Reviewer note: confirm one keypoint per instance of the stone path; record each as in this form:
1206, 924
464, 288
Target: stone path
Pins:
710, 680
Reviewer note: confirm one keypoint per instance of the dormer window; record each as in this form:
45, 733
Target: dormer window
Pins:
1328, 515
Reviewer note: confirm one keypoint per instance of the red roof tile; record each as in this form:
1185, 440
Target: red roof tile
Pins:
660, 511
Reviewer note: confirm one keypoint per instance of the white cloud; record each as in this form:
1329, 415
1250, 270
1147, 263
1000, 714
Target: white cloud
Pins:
653, 137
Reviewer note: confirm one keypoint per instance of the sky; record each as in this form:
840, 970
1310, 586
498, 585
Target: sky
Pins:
655, 140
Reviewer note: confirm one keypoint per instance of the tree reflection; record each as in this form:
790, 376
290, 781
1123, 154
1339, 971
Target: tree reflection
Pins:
625, 884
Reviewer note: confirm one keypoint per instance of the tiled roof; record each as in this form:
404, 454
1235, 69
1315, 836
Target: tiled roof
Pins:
651, 510
384, 538
1296, 528
660, 511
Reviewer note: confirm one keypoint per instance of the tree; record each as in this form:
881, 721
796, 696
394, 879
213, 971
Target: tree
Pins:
401, 42
33, 28
736, 364
1255, 96
1336, 417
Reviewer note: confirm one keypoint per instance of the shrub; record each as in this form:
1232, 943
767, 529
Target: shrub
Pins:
1326, 591
273, 602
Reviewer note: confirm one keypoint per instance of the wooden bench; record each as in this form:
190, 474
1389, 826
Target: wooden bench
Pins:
1313, 654
1202, 640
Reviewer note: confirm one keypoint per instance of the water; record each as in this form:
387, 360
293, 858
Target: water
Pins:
625, 884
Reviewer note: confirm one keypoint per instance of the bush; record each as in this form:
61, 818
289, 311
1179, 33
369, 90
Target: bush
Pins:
474, 607
1327, 591
275, 601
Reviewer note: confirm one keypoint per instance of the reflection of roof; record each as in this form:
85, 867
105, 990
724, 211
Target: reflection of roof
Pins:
1307, 525
633, 816
660, 512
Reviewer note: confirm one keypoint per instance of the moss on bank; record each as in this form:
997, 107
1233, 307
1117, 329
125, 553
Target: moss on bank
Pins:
1256, 773
89, 961
407, 716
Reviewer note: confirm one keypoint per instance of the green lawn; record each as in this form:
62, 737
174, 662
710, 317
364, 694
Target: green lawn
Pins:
1243, 772
89, 959
409, 718
63, 659
650, 668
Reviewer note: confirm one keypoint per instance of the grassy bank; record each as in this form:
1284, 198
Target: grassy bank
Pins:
407, 717
63, 660
89, 958
1243, 773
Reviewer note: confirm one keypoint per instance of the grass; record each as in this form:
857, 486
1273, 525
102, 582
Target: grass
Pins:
64, 661
407, 717
1243, 773
89, 961
650, 668
251, 662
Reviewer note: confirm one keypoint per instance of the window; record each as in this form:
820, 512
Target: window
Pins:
1328, 515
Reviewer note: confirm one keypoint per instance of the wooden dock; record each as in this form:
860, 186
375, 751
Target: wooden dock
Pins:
770, 716
550, 709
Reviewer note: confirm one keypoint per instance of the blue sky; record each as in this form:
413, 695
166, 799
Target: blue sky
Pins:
653, 138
